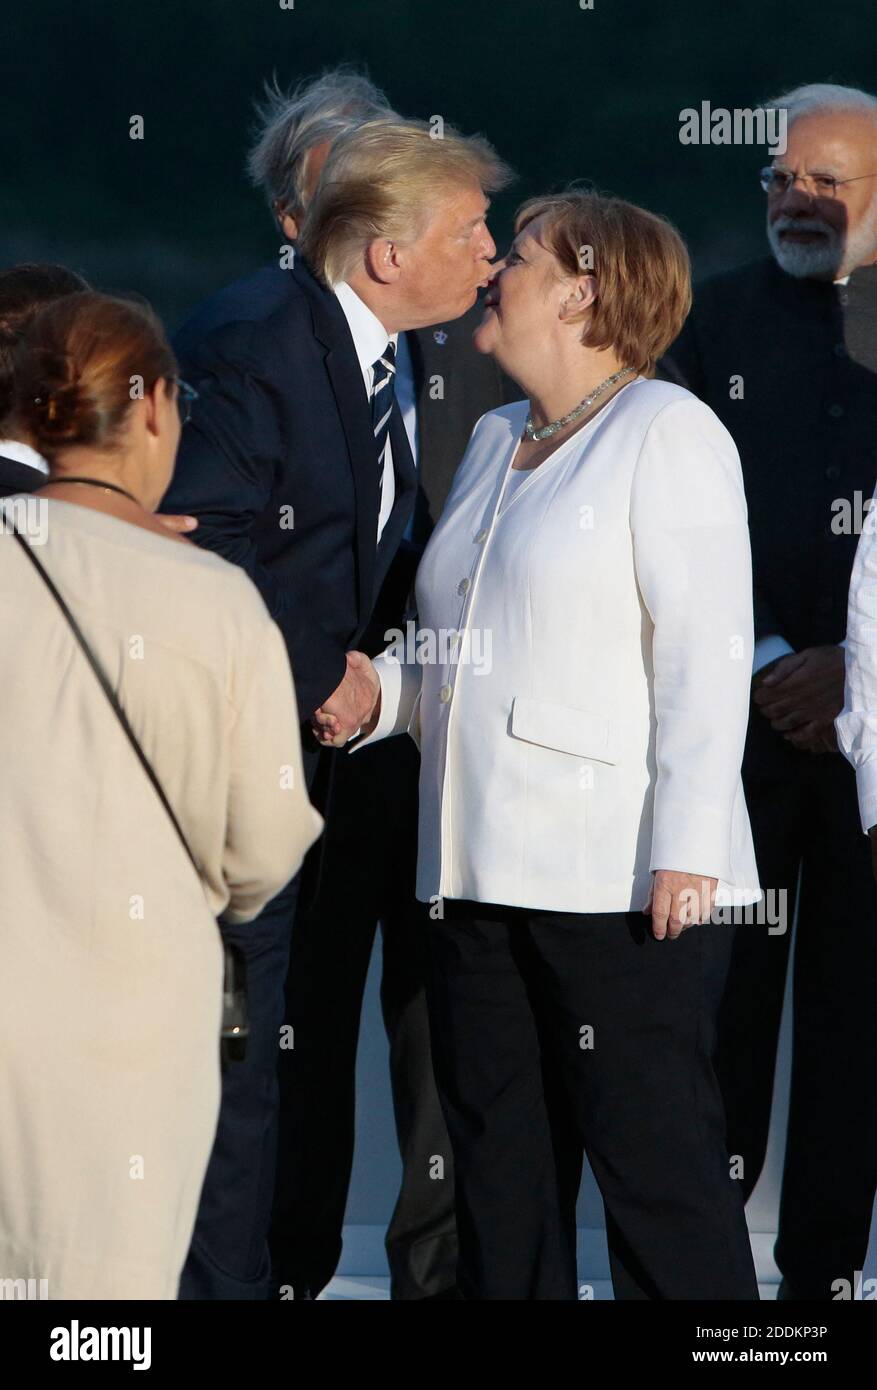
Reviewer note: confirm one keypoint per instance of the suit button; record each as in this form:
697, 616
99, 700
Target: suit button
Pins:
835, 411
464, 586
445, 694
481, 535
839, 350
832, 471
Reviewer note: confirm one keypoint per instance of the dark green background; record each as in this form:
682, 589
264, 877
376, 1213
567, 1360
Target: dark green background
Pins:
562, 92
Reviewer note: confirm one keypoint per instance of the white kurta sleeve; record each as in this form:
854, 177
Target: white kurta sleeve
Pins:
693, 564
857, 723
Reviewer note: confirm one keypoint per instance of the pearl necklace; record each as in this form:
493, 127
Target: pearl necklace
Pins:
547, 430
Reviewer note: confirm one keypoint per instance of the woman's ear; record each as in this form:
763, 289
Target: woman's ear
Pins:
580, 296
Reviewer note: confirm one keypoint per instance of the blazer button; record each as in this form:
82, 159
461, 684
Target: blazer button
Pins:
481, 535
445, 694
832, 471
835, 411
464, 586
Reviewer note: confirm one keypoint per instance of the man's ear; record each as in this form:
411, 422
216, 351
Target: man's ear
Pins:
383, 261
581, 295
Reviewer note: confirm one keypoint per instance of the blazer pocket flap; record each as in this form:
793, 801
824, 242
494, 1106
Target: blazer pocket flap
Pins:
564, 728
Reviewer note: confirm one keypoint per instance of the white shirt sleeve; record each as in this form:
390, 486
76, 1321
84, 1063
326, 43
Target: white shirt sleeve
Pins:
767, 649
857, 722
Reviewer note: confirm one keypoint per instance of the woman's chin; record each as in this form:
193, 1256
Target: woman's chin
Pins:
484, 337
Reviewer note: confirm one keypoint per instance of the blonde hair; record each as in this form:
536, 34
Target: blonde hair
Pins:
383, 180
640, 262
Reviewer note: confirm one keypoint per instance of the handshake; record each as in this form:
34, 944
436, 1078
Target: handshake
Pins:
353, 707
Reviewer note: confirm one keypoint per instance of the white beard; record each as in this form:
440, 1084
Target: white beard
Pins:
829, 259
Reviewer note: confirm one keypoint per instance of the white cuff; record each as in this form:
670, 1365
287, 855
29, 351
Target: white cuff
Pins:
767, 649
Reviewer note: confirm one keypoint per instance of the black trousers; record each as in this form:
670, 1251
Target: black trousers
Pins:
526, 1086
366, 876
229, 1257
804, 815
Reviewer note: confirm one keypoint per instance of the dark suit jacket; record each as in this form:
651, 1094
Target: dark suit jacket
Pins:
455, 385
19, 477
283, 421
806, 427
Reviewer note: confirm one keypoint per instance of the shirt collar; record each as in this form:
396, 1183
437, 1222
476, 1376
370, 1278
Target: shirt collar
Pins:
23, 453
370, 337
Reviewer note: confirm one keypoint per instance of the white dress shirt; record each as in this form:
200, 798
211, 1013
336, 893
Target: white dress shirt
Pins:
23, 453
370, 339
582, 714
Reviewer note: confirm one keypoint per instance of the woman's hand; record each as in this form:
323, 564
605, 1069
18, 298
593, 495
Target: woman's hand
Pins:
354, 706
677, 901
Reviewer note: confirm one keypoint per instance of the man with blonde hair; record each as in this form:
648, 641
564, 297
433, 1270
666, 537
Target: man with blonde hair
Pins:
365, 868
297, 466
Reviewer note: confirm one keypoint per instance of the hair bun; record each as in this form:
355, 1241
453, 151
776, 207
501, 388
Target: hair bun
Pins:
53, 404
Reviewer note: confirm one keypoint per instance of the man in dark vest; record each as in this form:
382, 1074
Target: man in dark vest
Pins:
785, 351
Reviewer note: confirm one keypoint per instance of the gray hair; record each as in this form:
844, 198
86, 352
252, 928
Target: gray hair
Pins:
824, 96
291, 124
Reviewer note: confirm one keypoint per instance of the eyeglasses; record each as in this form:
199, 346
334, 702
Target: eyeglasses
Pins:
186, 394
779, 181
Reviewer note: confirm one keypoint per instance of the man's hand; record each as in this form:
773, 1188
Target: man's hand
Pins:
677, 901
354, 705
178, 524
801, 695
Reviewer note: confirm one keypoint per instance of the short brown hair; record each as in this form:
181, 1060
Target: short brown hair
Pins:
381, 180
79, 367
640, 262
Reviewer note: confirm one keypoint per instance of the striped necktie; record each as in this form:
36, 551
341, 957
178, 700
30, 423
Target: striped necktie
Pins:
382, 398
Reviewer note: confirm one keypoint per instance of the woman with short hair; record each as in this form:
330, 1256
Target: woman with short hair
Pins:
581, 803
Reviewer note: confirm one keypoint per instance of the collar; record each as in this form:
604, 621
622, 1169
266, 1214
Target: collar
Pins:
23, 453
370, 337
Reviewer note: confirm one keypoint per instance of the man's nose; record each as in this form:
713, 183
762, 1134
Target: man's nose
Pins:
795, 202
488, 246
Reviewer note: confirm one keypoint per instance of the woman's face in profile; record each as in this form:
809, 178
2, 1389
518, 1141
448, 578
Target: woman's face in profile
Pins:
522, 299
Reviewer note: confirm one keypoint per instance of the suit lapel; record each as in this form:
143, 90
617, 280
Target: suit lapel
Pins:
342, 366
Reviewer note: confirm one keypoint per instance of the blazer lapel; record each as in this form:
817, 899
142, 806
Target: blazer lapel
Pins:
342, 366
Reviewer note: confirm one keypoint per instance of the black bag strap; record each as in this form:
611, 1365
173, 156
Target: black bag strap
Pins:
106, 688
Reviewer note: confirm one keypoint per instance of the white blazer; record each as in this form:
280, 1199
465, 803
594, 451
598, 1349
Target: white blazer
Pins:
586, 723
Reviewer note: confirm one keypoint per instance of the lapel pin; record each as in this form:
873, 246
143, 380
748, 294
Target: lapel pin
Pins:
440, 336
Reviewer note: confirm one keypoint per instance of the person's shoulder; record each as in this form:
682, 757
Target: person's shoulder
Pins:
656, 398
243, 315
725, 287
